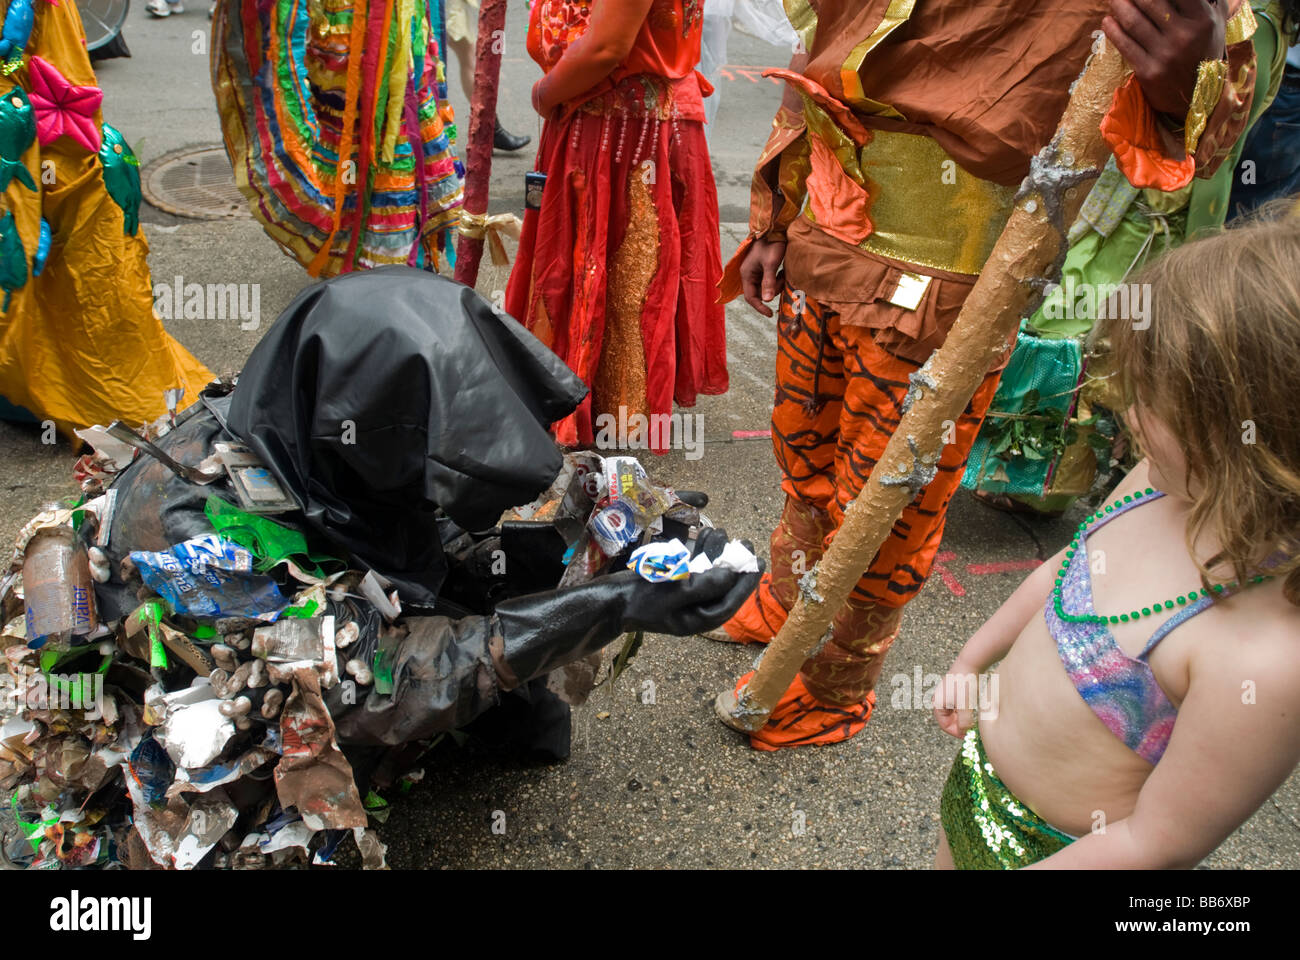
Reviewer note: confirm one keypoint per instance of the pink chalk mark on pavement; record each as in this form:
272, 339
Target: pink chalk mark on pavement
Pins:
751, 434
1004, 566
941, 560
954, 586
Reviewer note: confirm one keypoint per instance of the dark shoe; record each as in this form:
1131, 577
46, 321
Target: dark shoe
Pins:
505, 140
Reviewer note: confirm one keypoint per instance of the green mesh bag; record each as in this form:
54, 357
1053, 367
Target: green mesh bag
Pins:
1042, 376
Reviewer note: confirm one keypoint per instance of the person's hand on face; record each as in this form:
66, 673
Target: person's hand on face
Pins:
1165, 41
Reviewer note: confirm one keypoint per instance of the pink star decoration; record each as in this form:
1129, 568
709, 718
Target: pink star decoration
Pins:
63, 108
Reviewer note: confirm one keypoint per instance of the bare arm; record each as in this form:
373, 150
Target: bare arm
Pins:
991, 642
593, 56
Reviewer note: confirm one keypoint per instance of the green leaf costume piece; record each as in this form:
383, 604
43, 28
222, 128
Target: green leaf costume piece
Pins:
121, 177
13, 259
17, 131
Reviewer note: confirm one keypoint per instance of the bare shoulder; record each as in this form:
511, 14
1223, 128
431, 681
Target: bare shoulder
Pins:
1258, 638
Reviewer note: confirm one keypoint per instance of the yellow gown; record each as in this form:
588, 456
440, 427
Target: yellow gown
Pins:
80, 343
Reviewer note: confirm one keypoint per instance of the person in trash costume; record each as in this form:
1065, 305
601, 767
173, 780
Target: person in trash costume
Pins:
404, 415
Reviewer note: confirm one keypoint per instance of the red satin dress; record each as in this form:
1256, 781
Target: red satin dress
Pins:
617, 271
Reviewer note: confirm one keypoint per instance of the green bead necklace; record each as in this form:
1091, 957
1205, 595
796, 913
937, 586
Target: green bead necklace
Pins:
1181, 600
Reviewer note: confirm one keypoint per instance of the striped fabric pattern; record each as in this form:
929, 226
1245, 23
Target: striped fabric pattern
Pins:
839, 398
300, 84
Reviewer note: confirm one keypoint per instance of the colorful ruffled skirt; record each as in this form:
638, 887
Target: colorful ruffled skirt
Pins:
303, 83
617, 272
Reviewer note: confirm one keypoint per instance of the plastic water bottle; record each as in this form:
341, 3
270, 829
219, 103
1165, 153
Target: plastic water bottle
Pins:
57, 587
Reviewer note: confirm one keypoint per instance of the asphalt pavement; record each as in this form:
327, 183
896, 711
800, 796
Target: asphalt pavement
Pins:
654, 779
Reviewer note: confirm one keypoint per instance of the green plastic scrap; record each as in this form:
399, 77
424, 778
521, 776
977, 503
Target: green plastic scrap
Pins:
303, 612
383, 671
152, 616
270, 543
80, 688
34, 832
53, 658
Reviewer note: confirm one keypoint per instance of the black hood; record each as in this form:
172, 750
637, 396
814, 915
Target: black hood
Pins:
378, 396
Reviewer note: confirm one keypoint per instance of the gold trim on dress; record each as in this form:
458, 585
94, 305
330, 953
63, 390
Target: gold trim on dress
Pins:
1242, 26
620, 379
896, 14
1210, 77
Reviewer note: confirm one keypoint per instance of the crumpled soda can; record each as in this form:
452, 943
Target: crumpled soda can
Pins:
661, 562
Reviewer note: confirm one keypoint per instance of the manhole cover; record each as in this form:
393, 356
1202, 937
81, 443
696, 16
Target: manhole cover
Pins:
196, 182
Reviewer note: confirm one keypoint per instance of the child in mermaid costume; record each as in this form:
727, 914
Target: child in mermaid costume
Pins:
1171, 721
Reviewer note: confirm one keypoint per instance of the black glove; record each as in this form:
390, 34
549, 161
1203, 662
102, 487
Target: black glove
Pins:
544, 631
695, 498
447, 672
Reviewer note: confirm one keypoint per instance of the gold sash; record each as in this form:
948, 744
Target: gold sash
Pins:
925, 208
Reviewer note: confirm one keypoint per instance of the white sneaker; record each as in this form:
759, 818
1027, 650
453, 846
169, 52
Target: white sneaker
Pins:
164, 8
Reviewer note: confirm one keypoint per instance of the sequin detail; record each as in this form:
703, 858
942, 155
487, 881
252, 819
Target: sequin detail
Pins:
987, 826
621, 372
1121, 690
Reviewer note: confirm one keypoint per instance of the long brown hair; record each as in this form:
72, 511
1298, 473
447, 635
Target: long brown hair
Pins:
1219, 365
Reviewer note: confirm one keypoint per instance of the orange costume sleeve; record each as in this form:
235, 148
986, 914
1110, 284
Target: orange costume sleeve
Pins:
777, 191
1216, 117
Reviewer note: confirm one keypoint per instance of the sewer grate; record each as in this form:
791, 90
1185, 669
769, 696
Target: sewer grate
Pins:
196, 182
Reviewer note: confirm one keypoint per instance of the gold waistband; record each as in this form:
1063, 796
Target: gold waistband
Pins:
925, 208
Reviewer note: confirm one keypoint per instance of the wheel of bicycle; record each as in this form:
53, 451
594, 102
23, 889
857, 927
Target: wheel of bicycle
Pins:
102, 19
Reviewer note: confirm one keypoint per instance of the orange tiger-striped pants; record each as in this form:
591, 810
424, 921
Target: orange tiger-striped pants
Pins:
838, 399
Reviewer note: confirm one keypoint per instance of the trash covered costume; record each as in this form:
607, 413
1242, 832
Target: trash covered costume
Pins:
890, 122
616, 271
299, 85
79, 340
987, 826
387, 474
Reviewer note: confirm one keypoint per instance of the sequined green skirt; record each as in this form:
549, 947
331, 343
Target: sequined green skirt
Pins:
986, 826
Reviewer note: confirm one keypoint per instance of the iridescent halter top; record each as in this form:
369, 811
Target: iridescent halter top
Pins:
1121, 690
